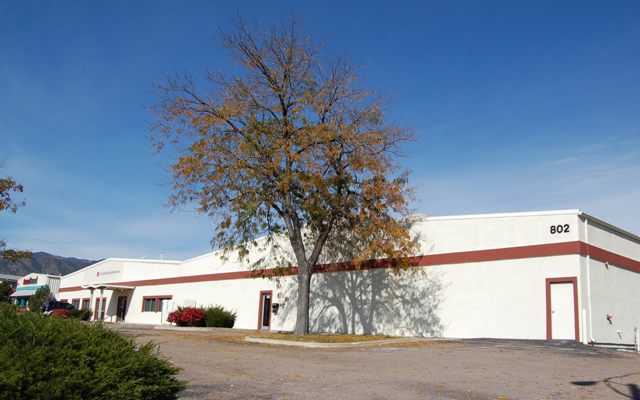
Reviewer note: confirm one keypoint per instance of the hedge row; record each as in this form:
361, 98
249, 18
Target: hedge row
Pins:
47, 358
212, 316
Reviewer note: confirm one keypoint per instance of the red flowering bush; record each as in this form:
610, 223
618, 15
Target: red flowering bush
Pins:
61, 313
188, 317
194, 317
176, 317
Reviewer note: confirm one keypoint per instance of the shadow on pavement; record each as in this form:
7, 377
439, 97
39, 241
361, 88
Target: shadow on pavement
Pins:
632, 390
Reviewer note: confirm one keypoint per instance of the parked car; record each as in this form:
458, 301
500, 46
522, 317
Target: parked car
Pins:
49, 306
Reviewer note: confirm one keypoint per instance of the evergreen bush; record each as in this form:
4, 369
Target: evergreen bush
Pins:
39, 297
218, 317
45, 358
5, 292
82, 315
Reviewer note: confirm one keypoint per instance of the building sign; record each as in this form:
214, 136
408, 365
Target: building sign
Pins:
104, 273
30, 281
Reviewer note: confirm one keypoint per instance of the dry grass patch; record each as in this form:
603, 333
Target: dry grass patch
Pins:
235, 337
322, 338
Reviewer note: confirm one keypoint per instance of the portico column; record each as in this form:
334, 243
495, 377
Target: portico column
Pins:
101, 302
91, 303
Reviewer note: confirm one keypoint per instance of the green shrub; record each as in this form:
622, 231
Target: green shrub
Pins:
45, 358
218, 317
39, 297
82, 315
5, 292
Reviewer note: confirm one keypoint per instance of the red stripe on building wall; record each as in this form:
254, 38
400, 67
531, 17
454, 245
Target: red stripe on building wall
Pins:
70, 289
509, 253
182, 279
613, 258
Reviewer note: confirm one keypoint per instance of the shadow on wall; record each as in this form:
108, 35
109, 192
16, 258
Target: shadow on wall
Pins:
371, 302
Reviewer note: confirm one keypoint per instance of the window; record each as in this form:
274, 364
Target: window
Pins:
86, 304
149, 305
64, 300
76, 303
160, 302
153, 303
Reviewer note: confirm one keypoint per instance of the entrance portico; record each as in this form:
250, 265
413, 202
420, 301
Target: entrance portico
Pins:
102, 287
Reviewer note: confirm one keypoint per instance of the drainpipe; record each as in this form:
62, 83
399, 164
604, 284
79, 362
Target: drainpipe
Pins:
586, 235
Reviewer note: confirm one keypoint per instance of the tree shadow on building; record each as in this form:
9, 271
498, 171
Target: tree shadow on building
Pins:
371, 302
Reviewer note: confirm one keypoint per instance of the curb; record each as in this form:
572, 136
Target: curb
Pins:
194, 328
330, 345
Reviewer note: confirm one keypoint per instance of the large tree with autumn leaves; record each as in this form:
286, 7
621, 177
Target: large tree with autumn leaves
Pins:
289, 154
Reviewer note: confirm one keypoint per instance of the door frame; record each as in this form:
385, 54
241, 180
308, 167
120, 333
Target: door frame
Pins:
104, 309
125, 308
571, 279
260, 310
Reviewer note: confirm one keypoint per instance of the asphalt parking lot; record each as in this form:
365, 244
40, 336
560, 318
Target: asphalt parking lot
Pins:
220, 365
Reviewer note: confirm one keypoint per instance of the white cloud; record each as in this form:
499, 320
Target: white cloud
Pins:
562, 161
607, 190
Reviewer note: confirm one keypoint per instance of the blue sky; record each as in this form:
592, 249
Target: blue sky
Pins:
520, 106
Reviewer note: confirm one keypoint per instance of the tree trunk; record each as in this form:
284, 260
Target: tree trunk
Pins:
304, 286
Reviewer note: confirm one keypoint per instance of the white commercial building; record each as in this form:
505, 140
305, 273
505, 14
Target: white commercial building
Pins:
29, 284
538, 275
12, 280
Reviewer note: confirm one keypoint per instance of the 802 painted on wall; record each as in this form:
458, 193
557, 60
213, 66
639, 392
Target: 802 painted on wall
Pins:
559, 229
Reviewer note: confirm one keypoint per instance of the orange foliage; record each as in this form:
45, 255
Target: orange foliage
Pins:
8, 185
289, 147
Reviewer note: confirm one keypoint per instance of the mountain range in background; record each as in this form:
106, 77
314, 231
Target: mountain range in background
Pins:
43, 263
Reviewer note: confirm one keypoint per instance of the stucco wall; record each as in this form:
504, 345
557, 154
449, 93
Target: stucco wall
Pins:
615, 292
504, 297
608, 239
439, 235
610, 289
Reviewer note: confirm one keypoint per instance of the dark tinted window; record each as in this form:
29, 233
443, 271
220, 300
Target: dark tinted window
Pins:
150, 305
